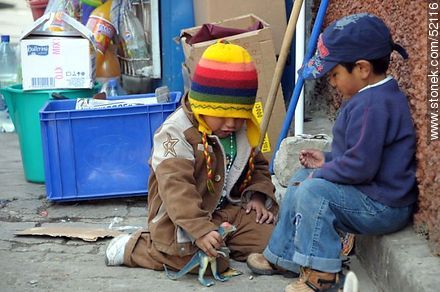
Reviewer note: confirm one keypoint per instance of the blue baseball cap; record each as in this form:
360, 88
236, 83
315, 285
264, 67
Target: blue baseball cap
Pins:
354, 37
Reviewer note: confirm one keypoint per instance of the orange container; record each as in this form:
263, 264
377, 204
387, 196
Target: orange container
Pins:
107, 65
100, 25
37, 7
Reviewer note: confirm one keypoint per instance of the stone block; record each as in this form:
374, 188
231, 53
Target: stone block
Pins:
286, 161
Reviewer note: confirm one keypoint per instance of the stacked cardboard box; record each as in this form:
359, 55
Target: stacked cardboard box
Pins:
57, 59
271, 11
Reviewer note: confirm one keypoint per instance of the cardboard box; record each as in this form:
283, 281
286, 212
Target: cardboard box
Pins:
55, 60
260, 45
271, 11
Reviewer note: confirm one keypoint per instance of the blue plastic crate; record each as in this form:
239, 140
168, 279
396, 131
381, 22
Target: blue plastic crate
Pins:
99, 153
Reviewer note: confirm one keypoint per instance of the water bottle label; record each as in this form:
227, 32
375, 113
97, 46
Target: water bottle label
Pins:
103, 31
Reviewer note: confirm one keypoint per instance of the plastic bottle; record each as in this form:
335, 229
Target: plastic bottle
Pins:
99, 23
113, 88
133, 42
107, 65
8, 76
8, 63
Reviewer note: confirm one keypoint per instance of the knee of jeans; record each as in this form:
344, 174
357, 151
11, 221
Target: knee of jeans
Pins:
299, 176
289, 196
295, 196
309, 190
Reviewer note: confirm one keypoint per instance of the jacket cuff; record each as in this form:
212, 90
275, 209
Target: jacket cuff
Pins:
328, 156
317, 173
195, 232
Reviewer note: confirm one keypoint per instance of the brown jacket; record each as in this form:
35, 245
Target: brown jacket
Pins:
179, 204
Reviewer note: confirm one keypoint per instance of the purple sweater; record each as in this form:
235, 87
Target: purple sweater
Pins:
374, 146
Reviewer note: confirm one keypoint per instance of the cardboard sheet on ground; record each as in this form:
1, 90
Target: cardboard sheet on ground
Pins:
231, 272
84, 233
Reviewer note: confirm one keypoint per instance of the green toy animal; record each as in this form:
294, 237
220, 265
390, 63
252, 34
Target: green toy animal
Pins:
202, 260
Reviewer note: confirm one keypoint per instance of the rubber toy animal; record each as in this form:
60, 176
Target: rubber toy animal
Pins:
202, 260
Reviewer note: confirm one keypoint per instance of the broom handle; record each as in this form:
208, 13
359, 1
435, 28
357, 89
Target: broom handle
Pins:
285, 48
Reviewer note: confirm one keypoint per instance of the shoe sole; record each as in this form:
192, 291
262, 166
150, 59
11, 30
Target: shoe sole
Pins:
287, 274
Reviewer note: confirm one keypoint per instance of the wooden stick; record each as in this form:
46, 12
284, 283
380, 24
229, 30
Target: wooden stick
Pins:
285, 48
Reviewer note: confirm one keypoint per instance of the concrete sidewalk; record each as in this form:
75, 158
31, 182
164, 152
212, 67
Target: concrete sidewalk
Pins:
398, 262
41, 263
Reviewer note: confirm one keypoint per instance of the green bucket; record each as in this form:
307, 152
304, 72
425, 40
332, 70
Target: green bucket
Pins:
24, 107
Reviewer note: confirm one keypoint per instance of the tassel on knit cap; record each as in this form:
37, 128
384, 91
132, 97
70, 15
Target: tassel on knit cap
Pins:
225, 85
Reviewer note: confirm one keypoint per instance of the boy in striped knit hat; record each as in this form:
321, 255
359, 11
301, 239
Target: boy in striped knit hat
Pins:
206, 169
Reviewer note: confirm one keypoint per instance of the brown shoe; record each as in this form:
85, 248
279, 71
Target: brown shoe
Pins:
347, 241
258, 264
313, 281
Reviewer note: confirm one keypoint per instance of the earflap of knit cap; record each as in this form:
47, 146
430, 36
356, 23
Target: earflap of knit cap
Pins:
224, 84
253, 131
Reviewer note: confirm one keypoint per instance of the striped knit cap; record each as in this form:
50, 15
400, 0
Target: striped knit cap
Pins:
225, 85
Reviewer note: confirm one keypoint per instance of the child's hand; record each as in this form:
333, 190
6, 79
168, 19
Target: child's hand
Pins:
257, 203
209, 243
311, 158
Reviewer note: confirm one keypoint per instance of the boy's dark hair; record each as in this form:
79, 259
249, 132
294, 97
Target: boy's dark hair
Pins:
380, 66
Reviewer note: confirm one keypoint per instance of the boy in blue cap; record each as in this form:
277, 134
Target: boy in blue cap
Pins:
367, 183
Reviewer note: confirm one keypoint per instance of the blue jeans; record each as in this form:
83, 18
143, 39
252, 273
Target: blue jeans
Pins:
312, 211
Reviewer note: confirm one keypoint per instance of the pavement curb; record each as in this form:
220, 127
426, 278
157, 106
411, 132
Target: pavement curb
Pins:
400, 261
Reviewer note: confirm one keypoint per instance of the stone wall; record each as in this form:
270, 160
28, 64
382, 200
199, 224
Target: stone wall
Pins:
407, 20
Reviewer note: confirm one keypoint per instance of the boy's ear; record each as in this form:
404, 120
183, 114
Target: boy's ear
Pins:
365, 68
